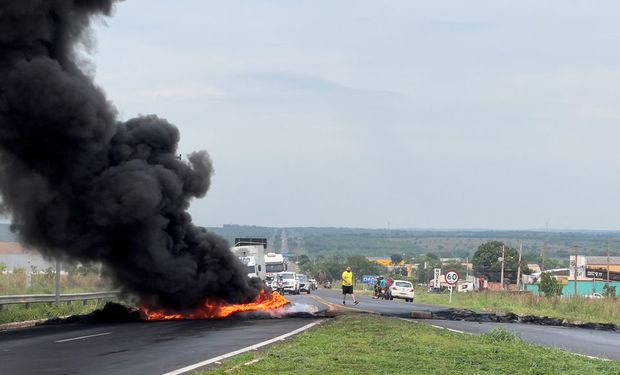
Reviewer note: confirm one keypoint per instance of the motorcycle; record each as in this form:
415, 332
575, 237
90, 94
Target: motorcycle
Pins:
327, 285
279, 286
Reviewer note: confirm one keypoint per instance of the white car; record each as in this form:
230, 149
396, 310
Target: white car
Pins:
286, 282
403, 289
594, 295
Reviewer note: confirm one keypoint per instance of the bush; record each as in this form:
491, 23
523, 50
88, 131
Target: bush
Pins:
609, 291
550, 286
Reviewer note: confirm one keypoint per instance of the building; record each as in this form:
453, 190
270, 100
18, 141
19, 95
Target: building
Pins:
589, 267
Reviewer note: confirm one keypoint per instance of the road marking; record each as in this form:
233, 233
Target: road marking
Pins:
592, 357
468, 333
438, 327
84, 337
337, 306
448, 329
240, 351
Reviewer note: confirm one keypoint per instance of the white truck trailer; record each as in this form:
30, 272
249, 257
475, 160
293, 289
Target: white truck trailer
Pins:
251, 252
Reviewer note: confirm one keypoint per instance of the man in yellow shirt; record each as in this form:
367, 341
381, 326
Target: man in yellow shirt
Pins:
347, 286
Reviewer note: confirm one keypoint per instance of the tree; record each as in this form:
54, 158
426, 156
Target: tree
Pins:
362, 266
609, 291
303, 259
396, 259
550, 286
487, 263
457, 266
426, 264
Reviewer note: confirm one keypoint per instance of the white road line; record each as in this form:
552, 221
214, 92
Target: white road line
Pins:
240, 351
438, 327
592, 357
84, 337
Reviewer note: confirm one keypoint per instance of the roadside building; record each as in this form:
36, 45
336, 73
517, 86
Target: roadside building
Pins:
589, 267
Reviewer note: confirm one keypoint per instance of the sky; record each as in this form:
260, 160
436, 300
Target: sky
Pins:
381, 114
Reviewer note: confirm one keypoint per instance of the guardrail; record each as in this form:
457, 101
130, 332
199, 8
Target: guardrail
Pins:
51, 298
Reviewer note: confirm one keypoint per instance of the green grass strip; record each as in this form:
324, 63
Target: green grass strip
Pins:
362, 344
20, 313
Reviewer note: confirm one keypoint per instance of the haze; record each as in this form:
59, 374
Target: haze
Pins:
401, 114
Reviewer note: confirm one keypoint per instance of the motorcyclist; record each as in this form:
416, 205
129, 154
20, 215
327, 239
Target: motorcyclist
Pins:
279, 283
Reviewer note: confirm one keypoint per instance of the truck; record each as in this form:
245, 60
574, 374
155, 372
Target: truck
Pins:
251, 252
274, 263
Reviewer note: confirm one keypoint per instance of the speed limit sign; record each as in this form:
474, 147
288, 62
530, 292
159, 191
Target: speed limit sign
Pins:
452, 277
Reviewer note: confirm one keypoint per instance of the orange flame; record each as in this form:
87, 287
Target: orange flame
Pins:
213, 309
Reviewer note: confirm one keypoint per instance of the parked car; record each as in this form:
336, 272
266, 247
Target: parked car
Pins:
594, 295
304, 283
403, 289
289, 282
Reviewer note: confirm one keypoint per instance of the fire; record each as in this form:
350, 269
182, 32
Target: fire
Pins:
213, 309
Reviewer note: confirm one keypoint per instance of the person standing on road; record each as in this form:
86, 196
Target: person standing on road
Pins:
347, 286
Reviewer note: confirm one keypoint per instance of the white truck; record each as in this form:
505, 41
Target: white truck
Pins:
274, 263
251, 252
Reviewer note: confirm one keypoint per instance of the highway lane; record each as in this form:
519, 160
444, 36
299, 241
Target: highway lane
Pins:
160, 347
132, 348
604, 344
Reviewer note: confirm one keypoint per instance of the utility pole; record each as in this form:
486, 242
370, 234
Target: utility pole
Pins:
544, 249
57, 281
502, 273
467, 268
575, 272
608, 246
519, 267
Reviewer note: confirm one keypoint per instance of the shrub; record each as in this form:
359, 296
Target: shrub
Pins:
550, 286
609, 291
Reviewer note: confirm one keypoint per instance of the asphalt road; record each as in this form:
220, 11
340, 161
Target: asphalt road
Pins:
131, 348
603, 344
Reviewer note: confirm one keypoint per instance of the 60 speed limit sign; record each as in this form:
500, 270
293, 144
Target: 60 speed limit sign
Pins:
452, 277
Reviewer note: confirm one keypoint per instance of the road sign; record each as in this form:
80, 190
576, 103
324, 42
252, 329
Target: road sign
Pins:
452, 277
369, 279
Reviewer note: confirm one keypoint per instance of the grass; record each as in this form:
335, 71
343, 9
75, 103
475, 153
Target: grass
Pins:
15, 283
365, 344
20, 313
582, 309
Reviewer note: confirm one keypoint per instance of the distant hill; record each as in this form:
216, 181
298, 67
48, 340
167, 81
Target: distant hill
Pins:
463, 243
6, 235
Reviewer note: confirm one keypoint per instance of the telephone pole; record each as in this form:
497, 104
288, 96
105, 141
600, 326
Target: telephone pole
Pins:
519, 267
57, 295
502, 273
608, 247
575, 272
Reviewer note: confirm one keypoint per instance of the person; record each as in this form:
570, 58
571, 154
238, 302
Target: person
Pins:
377, 288
383, 288
388, 291
347, 286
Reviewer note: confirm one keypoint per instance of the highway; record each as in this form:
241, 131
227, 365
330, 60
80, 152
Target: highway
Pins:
131, 348
162, 347
603, 344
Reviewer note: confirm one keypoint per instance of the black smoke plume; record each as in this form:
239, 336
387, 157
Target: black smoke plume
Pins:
79, 184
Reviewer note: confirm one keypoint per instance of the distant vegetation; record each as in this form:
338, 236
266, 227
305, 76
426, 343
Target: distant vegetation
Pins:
555, 245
